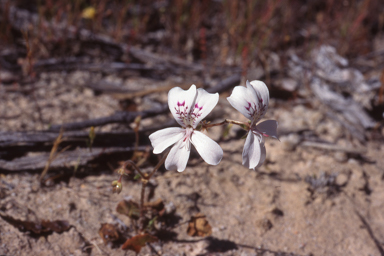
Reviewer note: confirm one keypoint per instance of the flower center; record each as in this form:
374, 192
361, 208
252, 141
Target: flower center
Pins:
182, 112
187, 138
186, 115
256, 109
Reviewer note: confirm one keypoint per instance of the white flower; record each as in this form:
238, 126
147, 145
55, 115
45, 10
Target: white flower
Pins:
252, 101
188, 108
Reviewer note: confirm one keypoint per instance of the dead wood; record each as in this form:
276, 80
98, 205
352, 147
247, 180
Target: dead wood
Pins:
120, 93
74, 63
356, 131
30, 150
119, 117
329, 77
332, 147
8, 139
345, 111
77, 157
76, 138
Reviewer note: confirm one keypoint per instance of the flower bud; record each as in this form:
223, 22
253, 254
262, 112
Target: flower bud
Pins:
116, 186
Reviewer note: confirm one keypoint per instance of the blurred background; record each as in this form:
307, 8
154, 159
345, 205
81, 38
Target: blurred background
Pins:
218, 32
84, 82
206, 40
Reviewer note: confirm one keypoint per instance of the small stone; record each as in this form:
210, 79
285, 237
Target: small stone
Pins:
290, 142
170, 208
35, 188
88, 92
321, 129
7, 77
264, 224
277, 212
299, 110
342, 179
289, 84
255, 73
341, 157
335, 130
315, 118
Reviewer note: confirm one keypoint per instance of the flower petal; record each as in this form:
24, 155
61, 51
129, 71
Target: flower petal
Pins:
268, 127
262, 93
204, 104
178, 156
242, 98
254, 152
208, 149
164, 138
181, 102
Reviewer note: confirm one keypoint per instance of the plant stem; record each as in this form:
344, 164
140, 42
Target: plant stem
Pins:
158, 165
144, 181
143, 185
227, 121
135, 167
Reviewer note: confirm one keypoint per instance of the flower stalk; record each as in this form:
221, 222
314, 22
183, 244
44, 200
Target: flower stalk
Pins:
226, 121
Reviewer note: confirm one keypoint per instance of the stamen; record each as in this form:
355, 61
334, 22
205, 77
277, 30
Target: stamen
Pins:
195, 113
182, 112
187, 138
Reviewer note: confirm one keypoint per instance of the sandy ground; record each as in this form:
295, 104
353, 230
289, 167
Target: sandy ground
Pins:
302, 201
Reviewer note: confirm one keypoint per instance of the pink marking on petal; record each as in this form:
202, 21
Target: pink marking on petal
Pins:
188, 133
249, 106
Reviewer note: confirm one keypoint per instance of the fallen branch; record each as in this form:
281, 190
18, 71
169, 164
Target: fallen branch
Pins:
119, 117
75, 63
333, 147
67, 158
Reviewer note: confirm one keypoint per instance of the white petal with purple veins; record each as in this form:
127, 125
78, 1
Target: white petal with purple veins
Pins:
262, 90
204, 104
243, 99
261, 100
252, 102
180, 103
188, 107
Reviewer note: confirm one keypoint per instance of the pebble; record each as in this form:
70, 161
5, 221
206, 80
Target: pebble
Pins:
290, 142
264, 224
170, 208
341, 157
341, 179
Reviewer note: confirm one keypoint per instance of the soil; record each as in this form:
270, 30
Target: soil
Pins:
302, 201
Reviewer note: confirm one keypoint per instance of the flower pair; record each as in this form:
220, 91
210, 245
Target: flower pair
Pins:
191, 106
